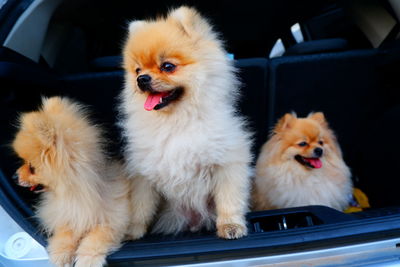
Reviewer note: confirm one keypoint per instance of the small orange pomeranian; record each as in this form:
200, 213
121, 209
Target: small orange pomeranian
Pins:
301, 164
84, 205
185, 142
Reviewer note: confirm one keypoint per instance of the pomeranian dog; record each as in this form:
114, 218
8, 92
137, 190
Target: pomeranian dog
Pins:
185, 143
301, 164
84, 207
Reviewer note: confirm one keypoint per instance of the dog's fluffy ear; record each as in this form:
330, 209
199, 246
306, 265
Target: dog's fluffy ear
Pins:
286, 122
318, 117
135, 25
191, 21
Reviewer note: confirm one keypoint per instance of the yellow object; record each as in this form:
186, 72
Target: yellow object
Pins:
359, 202
361, 198
352, 209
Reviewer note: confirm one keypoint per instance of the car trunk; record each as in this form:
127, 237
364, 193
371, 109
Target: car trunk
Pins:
357, 89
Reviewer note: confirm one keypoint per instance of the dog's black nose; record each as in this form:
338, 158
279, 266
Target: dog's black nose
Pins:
143, 80
318, 152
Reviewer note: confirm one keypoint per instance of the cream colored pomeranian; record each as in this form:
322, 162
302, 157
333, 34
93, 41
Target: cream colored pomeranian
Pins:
185, 142
84, 205
301, 164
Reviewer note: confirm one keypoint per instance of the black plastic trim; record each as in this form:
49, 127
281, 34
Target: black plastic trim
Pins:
260, 244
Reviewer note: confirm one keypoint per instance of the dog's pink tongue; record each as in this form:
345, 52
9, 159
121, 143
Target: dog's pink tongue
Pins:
33, 187
153, 100
315, 162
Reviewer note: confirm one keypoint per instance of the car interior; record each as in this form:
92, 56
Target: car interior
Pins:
341, 69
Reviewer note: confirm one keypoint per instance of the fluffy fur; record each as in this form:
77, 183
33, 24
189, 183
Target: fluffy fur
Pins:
282, 181
84, 207
194, 153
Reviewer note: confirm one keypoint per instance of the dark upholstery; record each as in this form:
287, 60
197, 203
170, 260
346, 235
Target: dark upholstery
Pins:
106, 63
318, 46
379, 158
253, 103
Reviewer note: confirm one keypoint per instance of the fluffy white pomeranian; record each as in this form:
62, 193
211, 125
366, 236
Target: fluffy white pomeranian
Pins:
186, 146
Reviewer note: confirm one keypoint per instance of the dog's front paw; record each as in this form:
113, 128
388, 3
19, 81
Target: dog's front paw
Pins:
90, 260
61, 258
61, 254
231, 231
136, 231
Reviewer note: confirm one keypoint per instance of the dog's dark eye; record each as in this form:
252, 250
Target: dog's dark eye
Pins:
138, 70
167, 67
31, 169
321, 143
302, 144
